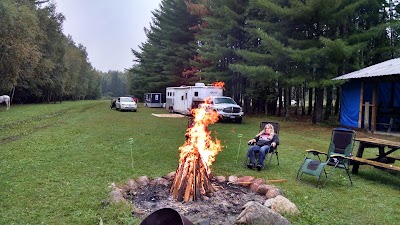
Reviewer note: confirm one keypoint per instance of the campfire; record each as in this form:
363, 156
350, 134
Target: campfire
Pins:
193, 175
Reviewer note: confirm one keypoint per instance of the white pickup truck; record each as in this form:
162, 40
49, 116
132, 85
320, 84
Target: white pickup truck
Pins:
226, 107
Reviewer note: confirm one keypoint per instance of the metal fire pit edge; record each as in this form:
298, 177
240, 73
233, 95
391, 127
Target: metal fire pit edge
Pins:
166, 216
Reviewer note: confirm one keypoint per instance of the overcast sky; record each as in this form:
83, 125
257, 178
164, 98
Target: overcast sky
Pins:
109, 29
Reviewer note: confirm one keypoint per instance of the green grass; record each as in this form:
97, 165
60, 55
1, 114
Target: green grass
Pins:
57, 162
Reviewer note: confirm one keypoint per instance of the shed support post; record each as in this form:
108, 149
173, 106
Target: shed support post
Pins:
366, 116
374, 107
361, 104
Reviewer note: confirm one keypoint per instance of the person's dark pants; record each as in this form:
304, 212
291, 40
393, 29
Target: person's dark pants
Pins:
262, 153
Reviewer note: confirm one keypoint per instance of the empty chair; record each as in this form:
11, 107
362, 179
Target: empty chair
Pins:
340, 149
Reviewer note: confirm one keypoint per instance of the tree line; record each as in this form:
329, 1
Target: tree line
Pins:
38, 63
266, 51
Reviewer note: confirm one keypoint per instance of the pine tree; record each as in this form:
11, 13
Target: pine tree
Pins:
166, 53
314, 40
219, 37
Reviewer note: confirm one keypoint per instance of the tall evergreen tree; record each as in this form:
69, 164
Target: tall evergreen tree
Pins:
221, 34
314, 39
264, 60
167, 52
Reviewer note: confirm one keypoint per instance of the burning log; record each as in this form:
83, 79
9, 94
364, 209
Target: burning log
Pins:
193, 175
191, 182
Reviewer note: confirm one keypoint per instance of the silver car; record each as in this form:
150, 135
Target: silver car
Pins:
126, 103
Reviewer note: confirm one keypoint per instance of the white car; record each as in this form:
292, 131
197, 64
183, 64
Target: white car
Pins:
126, 103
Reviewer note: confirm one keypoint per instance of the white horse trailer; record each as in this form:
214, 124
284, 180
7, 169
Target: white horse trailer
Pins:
183, 99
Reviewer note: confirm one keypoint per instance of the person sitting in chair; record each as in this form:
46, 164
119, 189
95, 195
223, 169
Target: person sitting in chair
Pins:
264, 141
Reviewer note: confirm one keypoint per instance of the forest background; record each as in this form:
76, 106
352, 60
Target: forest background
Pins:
267, 52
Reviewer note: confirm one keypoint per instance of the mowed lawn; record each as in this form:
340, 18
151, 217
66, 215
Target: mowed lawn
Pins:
57, 162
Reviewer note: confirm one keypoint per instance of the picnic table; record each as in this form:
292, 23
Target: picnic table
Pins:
383, 157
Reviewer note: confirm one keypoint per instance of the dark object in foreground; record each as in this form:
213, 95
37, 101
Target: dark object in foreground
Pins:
166, 216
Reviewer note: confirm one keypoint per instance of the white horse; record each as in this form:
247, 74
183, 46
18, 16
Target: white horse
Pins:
6, 99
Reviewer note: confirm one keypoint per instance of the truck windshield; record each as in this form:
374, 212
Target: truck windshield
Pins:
224, 101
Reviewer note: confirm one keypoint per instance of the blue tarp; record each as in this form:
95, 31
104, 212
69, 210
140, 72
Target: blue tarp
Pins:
388, 98
350, 104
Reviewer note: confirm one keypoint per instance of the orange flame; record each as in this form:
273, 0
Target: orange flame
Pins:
199, 141
219, 84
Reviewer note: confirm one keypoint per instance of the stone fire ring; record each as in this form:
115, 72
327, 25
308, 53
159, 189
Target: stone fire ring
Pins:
236, 200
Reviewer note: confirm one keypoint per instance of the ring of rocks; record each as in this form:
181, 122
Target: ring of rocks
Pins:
236, 200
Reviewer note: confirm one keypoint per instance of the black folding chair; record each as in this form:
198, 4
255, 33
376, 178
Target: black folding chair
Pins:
273, 151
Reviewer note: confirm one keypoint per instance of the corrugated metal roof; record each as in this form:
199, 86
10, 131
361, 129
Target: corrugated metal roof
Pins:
389, 67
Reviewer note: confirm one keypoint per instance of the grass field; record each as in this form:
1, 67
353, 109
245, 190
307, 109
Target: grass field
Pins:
57, 162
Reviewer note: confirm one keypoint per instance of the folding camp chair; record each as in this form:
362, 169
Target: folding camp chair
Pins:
340, 149
273, 151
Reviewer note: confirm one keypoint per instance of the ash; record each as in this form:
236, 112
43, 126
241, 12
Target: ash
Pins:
221, 207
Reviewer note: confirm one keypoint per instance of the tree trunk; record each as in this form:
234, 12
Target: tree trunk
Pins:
287, 103
298, 91
280, 102
303, 100
310, 101
261, 105
246, 105
246, 99
328, 107
337, 102
318, 105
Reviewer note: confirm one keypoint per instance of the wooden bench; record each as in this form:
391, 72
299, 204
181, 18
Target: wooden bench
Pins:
376, 164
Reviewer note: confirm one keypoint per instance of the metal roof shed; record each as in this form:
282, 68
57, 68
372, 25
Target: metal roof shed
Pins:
371, 98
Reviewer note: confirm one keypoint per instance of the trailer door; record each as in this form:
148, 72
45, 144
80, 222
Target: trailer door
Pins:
185, 103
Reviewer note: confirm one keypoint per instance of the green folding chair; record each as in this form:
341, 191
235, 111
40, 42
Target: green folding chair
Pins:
338, 156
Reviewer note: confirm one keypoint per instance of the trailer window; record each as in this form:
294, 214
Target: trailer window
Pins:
196, 93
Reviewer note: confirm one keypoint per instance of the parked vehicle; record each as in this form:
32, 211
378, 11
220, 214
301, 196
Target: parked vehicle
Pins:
183, 99
132, 96
154, 100
226, 107
126, 103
